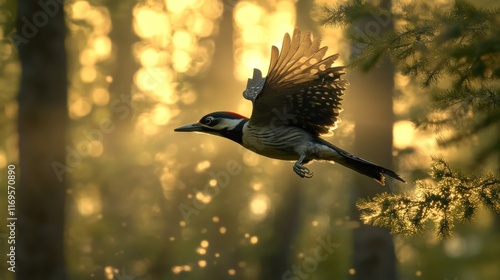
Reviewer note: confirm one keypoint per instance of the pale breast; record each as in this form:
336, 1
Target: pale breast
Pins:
279, 142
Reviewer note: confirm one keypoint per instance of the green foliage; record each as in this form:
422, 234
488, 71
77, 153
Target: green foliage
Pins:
453, 52
451, 197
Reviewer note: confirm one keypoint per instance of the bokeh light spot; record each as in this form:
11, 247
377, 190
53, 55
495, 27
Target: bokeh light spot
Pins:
202, 166
88, 74
183, 40
79, 108
80, 9
259, 205
102, 47
100, 96
404, 134
254, 240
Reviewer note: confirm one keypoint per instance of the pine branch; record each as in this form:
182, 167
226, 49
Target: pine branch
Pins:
463, 113
433, 43
465, 37
449, 198
457, 43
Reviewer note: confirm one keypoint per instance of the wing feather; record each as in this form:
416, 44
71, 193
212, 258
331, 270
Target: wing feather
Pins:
274, 58
292, 51
301, 88
285, 49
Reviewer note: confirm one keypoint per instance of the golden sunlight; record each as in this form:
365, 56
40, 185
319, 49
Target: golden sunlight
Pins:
109, 272
150, 23
152, 79
203, 197
257, 186
182, 39
200, 25
102, 47
404, 134
89, 204
79, 108
88, 74
149, 57
145, 125
95, 148
248, 14
259, 205
3, 160
99, 18
202, 166
167, 180
176, 6
100, 96
254, 240
88, 57
160, 114
252, 50
80, 10
181, 61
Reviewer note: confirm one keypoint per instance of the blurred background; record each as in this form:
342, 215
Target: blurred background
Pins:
145, 202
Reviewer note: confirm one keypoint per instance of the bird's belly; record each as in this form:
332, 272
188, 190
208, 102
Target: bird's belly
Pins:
277, 143
282, 154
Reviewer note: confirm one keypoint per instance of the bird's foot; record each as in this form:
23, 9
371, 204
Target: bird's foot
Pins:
302, 171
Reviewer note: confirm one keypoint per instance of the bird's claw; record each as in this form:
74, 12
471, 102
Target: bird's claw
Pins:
302, 171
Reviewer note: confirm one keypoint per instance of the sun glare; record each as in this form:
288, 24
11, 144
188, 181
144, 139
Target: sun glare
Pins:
252, 50
88, 203
150, 22
80, 9
102, 47
404, 134
259, 205
79, 108
149, 57
100, 96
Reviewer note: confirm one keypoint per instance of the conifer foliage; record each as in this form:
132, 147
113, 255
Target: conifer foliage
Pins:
448, 198
453, 51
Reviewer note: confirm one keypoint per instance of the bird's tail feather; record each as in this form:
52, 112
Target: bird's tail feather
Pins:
364, 167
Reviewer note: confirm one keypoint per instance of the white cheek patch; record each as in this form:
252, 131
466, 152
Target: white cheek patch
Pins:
227, 124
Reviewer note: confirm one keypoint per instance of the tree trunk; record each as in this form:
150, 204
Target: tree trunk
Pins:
373, 257
115, 169
278, 258
42, 139
304, 20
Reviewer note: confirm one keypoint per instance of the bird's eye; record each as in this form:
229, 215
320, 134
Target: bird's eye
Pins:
209, 120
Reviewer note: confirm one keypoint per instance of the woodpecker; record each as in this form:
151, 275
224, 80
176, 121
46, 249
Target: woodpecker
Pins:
293, 106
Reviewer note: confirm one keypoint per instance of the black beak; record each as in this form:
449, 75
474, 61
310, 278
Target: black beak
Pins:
190, 128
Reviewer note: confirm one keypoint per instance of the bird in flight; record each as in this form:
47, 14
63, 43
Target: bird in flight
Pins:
293, 106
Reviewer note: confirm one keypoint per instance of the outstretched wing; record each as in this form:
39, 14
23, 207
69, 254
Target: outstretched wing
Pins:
301, 88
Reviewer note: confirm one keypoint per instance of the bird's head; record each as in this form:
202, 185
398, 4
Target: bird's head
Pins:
225, 124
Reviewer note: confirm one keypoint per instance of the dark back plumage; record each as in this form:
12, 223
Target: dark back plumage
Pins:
301, 88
